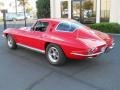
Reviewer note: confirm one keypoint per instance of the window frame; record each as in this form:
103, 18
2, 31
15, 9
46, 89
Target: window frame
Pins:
40, 22
62, 30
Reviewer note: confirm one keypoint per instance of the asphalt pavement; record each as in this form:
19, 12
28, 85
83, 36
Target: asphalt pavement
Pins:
23, 69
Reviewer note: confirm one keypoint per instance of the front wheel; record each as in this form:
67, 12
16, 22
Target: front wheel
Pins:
55, 55
11, 43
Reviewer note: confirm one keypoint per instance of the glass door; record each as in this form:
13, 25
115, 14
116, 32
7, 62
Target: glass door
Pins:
84, 11
64, 9
76, 10
105, 11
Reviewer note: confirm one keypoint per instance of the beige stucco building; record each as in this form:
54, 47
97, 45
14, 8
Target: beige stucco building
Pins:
86, 11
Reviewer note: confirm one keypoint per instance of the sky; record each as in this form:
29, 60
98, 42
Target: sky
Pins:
7, 3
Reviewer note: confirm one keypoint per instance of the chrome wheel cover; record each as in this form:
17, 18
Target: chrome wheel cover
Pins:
10, 42
53, 54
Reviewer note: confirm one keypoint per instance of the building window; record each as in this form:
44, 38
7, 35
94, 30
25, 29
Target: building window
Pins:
89, 11
105, 11
64, 9
76, 10
84, 10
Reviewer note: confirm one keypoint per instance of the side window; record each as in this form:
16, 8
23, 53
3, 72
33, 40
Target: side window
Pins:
68, 27
41, 26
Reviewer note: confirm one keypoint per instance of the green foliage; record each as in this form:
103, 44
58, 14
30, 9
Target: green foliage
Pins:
28, 7
65, 4
88, 5
107, 27
43, 8
22, 2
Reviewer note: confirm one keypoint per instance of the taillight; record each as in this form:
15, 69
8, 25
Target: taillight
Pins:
92, 50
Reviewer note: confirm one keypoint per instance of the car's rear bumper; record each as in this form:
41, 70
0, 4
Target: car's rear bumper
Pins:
110, 48
77, 55
87, 55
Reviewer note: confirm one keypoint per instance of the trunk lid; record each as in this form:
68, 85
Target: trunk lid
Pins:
89, 38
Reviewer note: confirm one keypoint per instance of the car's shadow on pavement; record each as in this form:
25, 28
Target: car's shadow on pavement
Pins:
71, 67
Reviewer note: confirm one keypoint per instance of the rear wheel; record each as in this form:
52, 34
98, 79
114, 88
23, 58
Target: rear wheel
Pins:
55, 55
11, 43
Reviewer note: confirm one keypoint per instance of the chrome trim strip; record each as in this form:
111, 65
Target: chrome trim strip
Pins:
90, 55
31, 48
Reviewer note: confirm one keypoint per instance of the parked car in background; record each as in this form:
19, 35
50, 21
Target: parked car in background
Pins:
16, 17
59, 39
10, 16
21, 16
28, 16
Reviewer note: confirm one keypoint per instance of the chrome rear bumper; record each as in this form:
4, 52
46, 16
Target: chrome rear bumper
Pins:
89, 55
108, 49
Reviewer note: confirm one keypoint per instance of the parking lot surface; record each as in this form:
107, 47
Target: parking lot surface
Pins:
23, 69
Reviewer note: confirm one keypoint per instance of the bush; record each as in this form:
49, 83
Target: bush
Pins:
43, 8
107, 27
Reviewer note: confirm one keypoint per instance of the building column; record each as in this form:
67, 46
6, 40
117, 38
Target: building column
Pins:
114, 11
52, 8
55, 9
69, 9
98, 11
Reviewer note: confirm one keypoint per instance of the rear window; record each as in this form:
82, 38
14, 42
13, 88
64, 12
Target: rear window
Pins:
67, 26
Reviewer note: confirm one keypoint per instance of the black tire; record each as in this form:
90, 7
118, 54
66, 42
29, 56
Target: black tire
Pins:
58, 60
11, 42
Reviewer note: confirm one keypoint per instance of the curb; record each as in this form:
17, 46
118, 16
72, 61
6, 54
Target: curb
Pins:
113, 34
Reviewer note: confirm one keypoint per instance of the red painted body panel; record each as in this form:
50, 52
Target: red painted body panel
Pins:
80, 41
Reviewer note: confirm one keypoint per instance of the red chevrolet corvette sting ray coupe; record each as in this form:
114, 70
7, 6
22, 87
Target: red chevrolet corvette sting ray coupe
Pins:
59, 39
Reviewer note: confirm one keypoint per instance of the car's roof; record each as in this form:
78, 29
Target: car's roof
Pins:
56, 19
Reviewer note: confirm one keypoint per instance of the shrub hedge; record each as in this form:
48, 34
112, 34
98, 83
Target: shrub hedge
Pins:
106, 27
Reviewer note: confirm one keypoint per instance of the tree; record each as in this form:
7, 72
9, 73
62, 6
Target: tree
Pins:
28, 7
88, 5
22, 2
65, 4
43, 8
